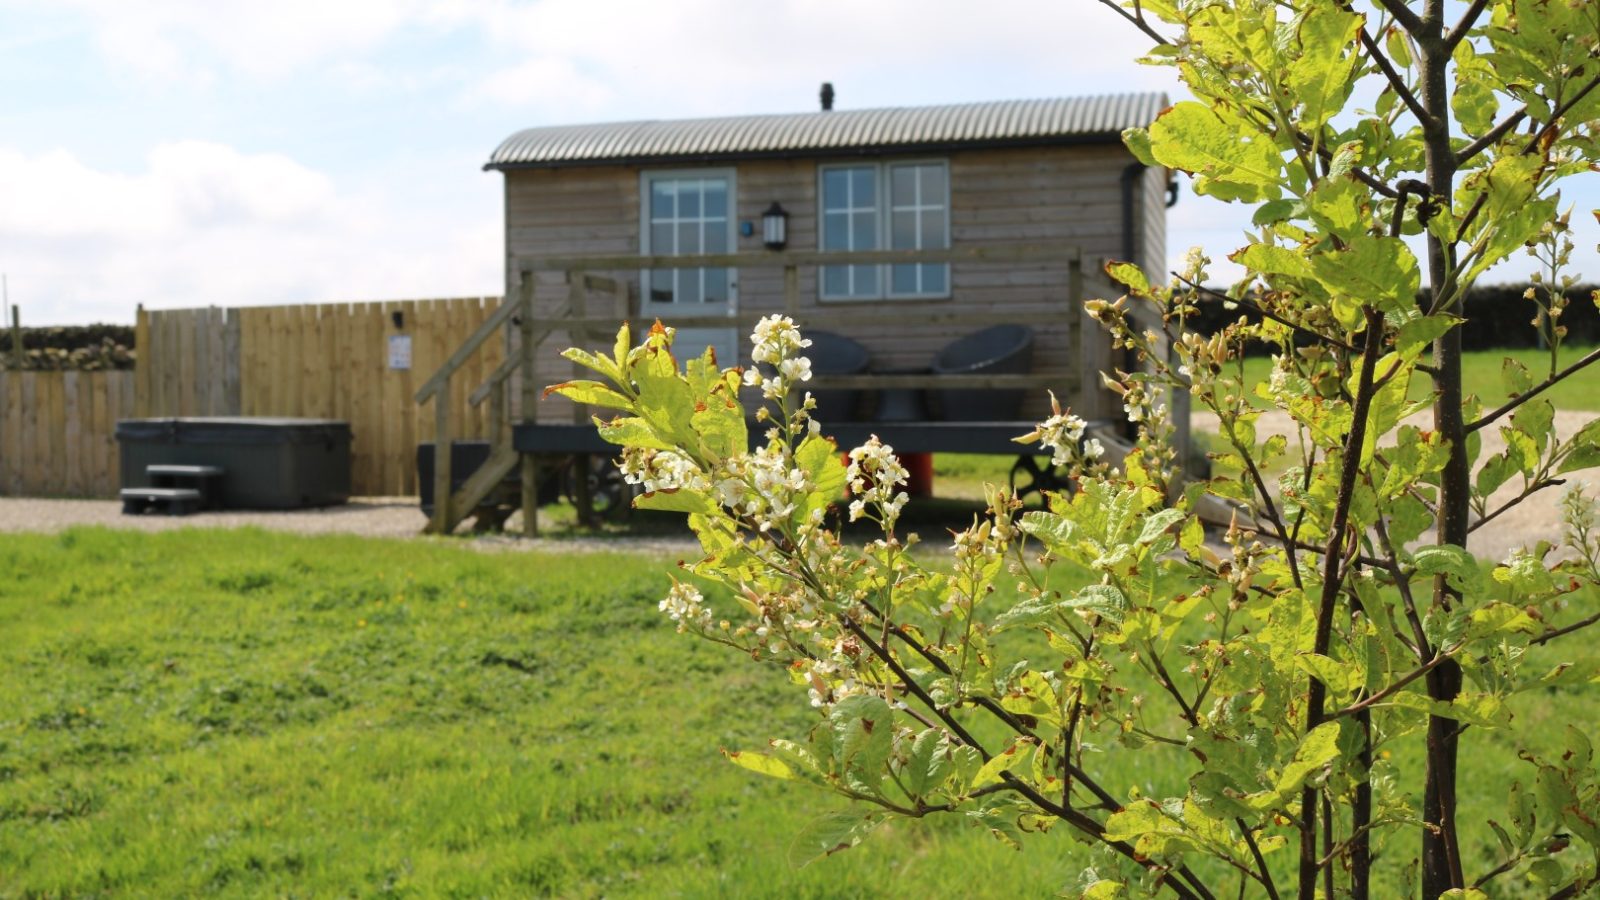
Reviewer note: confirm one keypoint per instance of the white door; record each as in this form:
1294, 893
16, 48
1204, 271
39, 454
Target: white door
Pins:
685, 213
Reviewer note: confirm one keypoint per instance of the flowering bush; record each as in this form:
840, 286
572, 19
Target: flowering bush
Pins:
1341, 615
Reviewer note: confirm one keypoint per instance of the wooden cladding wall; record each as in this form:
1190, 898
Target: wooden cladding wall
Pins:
58, 432
327, 361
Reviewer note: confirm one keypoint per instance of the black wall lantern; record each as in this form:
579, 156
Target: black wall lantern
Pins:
775, 227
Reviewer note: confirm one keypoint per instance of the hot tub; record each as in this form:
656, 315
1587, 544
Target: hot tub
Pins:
267, 463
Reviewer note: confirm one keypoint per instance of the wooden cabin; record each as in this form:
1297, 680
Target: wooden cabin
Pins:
904, 229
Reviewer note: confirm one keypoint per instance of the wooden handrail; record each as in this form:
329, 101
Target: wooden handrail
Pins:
1001, 253
465, 351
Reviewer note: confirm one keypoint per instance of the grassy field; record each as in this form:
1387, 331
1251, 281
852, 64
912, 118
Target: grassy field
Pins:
1480, 373
247, 713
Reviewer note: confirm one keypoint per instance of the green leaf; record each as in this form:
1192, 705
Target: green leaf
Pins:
1458, 566
1137, 140
863, 735
760, 763
830, 834
683, 501
1322, 75
1420, 332
1319, 747
1582, 450
631, 431
1159, 523
1380, 271
1002, 762
1340, 678
818, 457
591, 392
1131, 275
1229, 158
928, 765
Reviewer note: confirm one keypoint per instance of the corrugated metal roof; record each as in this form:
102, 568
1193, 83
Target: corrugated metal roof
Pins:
1065, 120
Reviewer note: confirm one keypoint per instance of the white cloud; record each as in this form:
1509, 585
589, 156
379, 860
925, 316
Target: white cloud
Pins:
204, 224
177, 38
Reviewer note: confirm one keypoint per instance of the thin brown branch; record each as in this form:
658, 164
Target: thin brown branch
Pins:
1402, 14
1392, 689
1298, 329
1536, 390
1554, 633
1464, 25
1138, 21
1401, 89
1470, 152
1535, 488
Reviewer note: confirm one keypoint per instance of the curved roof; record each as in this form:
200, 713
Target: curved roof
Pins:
835, 132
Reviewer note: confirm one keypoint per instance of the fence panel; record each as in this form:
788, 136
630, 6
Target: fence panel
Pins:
58, 432
333, 360
188, 362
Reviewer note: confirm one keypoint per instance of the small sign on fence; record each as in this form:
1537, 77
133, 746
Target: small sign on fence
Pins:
400, 352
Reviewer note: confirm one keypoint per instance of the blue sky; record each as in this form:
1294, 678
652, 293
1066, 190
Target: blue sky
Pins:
184, 153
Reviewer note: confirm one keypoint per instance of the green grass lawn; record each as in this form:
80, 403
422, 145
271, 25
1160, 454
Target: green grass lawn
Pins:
248, 713
243, 713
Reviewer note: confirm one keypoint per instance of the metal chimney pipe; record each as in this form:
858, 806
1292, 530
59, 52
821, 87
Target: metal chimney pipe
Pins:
827, 96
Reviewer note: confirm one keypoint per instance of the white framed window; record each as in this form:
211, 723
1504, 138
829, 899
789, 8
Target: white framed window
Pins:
896, 206
686, 213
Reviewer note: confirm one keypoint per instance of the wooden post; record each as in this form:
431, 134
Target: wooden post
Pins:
16, 338
791, 290
530, 466
442, 521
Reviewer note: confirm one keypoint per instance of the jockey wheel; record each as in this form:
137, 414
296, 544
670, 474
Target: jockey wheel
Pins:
610, 497
1033, 475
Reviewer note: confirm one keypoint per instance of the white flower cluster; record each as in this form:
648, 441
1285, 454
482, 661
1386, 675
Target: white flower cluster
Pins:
686, 606
777, 343
662, 470
874, 474
1062, 434
829, 681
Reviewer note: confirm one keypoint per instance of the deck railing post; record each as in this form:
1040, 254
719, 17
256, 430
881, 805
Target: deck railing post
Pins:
791, 290
442, 521
528, 413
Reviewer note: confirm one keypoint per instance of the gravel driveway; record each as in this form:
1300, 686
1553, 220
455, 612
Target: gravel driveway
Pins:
388, 517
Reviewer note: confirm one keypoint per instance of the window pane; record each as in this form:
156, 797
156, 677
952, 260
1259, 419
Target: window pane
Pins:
935, 186
866, 281
662, 205
903, 279
661, 286
661, 239
903, 185
689, 286
716, 285
716, 199
835, 280
689, 199
935, 279
864, 231
688, 238
933, 233
835, 232
903, 235
863, 187
835, 188
716, 237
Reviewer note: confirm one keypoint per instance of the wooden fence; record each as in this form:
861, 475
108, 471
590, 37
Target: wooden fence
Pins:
58, 432
328, 361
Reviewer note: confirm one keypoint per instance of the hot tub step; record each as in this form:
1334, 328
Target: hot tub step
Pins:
172, 501
205, 479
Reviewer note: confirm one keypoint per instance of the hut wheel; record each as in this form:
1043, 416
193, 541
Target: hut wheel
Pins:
1032, 475
610, 495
